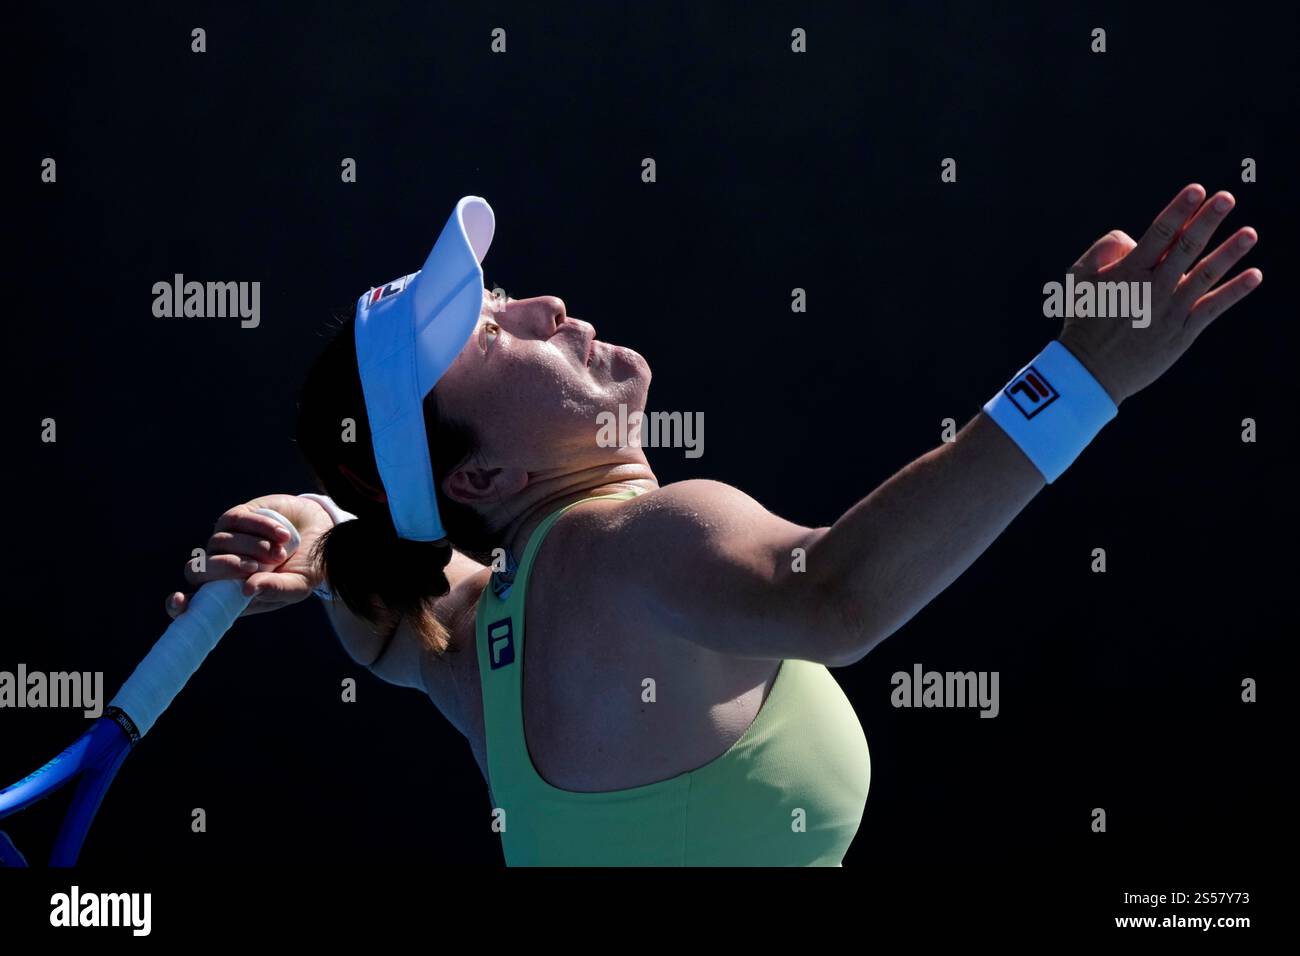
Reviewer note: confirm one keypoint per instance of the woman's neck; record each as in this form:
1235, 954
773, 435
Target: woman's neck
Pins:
545, 495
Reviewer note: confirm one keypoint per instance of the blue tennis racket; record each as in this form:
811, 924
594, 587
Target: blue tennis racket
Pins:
94, 758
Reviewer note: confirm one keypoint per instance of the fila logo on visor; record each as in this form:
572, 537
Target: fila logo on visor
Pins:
390, 290
1031, 392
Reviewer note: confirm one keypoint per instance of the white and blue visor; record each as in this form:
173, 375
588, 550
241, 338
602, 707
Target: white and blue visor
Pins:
408, 332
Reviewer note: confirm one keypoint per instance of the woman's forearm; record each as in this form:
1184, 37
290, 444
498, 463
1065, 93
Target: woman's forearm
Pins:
895, 550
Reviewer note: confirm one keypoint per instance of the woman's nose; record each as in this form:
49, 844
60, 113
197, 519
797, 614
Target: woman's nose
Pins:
543, 313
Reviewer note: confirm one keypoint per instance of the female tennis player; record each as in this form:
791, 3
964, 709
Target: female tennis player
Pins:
677, 707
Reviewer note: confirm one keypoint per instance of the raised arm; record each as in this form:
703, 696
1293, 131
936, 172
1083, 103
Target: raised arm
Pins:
708, 564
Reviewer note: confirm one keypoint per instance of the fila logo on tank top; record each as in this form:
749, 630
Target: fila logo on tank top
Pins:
501, 643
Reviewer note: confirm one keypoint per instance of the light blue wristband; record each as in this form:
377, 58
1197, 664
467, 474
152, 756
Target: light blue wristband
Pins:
1052, 409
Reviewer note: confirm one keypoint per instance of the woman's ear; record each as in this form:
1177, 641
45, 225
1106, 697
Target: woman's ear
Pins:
364, 488
468, 485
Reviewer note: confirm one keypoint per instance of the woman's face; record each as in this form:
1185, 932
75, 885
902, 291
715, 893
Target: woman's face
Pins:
531, 382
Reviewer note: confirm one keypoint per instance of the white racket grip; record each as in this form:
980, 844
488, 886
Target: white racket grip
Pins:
156, 681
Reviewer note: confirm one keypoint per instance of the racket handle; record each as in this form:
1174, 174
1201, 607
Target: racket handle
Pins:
154, 684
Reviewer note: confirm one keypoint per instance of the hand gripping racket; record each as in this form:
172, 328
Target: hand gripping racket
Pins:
96, 754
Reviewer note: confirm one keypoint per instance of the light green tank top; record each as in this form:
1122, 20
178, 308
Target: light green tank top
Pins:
789, 792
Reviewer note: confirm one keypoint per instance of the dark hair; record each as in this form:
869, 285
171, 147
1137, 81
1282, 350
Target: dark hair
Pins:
379, 576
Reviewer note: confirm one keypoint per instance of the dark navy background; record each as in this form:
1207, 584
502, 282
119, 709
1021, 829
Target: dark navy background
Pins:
775, 171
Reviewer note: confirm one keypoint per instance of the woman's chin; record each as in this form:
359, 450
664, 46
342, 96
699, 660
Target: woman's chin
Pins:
626, 363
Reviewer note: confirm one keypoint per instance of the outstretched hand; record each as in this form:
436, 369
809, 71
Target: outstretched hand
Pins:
1186, 294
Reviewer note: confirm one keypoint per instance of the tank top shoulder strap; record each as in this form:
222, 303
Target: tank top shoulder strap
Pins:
499, 639
538, 536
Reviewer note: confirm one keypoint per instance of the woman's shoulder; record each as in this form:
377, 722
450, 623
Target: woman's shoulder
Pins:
672, 509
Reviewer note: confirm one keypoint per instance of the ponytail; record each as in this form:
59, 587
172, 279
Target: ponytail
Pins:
383, 578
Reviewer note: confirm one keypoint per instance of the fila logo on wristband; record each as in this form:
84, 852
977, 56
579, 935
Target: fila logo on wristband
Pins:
1052, 409
1031, 392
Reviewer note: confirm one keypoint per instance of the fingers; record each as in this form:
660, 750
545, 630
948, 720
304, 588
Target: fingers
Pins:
271, 590
242, 519
275, 589
265, 581
1212, 305
176, 604
1213, 268
244, 546
1113, 246
1191, 242
261, 550
236, 555
1166, 227
221, 567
